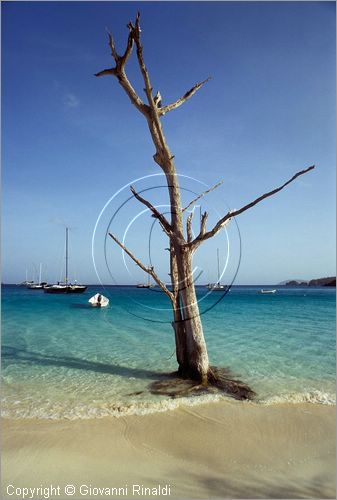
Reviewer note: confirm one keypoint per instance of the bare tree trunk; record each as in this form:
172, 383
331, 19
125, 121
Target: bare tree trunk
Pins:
178, 323
191, 348
191, 351
197, 364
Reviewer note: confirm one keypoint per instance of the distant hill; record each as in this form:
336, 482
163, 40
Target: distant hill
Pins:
323, 282
293, 282
330, 281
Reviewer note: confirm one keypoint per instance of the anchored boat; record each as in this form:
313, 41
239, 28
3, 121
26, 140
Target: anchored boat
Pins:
146, 285
37, 286
99, 300
217, 287
65, 287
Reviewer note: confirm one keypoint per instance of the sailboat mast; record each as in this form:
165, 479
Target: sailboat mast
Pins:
66, 280
217, 251
40, 273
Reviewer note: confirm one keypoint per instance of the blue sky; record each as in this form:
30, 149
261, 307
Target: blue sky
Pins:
70, 140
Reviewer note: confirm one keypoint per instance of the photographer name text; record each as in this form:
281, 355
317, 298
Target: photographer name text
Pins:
87, 490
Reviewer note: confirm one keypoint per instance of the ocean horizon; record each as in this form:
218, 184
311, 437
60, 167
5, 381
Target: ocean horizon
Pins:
203, 285
62, 359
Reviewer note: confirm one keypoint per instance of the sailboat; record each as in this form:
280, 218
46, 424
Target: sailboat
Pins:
26, 282
36, 286
66, 286
145, 285
217, 287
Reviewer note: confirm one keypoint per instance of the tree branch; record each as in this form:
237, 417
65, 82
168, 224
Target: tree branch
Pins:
233, 213
203, 223
109, 71
162, 219
125, 83
189, 227
148, 270
148, 87
129, 45
121, 60
153, 115
201, 196
119, 70
184, 98
113, 48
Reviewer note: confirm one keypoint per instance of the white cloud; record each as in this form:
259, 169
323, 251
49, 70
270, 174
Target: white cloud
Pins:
71, 101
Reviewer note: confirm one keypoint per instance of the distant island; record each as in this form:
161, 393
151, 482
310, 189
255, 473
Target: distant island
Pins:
330, 281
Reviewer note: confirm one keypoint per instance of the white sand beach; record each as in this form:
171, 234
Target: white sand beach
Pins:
218, 450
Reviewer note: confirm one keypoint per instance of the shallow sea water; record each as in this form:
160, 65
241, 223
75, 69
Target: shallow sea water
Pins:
64, 359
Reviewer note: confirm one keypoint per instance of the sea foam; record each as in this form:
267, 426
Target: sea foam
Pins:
56, 411
316, 397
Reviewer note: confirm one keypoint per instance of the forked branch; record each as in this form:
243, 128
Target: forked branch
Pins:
148, 270
205, 235
119, 70
121, 60
153, 110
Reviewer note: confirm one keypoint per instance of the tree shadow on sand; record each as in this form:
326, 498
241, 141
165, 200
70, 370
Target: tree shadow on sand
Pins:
278, 486
236, 484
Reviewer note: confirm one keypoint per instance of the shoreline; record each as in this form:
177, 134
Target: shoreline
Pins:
213, 450
57, 413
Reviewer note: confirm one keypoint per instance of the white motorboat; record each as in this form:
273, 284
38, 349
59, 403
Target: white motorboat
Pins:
99, 300
267, 291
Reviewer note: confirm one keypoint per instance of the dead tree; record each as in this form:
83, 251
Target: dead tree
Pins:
191, 351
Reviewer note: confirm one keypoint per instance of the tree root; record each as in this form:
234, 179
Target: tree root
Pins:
176, 387
220, 380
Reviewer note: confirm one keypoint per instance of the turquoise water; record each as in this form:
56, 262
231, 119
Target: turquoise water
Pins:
63, 359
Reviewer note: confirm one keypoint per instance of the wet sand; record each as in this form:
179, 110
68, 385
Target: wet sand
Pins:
218, 450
